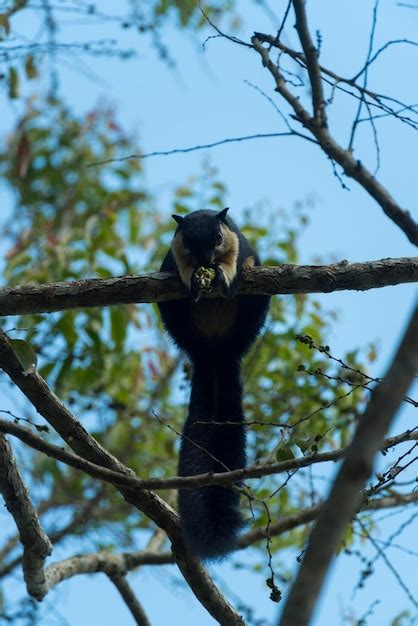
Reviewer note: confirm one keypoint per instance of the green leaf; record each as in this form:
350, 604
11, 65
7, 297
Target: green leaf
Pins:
284, 453
134, 218
25, 353
118, 326
13, 83
183, 192
30, 68
66, 326
346, 540
46, 369
4, 23
305, 444
21, 259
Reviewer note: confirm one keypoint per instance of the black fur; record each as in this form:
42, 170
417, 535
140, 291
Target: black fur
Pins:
210, 516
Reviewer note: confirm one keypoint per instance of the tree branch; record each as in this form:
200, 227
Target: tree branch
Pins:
82, 443
282, 525
351, 166
105, 562
336, 81
17, 6
346, 493
202, 146
13, 541
119, 479
36, 544
312, 65
81, 516
289, 522
159, 287
131, 601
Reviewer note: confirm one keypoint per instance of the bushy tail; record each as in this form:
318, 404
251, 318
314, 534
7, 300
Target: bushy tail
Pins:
210, 516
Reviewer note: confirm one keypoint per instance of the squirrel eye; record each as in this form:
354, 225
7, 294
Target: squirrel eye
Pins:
219, 239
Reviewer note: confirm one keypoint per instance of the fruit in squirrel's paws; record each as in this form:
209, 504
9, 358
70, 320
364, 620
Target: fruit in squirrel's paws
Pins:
203, 278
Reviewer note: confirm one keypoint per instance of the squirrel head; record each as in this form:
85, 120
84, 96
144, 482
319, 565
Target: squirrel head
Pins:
204, 235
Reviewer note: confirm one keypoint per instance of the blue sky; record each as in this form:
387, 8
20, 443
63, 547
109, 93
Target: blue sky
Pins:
206, 99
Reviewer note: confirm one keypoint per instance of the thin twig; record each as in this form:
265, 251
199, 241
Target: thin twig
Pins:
386, 560
203, 146
365, 70
283, 23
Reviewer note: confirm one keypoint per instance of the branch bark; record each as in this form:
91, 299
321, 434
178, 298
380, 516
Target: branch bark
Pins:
35, 542
346, 493
159, 287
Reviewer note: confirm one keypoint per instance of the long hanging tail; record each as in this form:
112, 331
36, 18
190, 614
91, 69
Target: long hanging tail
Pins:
210, 516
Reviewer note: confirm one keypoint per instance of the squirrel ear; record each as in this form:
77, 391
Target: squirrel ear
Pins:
178, 218
222, 214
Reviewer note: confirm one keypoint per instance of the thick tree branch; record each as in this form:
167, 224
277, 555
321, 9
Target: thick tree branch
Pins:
105, 562
82, 516
13, 541
36, 544
390, 502
346, 493
115, 566
74, 434
159, 287
351, 166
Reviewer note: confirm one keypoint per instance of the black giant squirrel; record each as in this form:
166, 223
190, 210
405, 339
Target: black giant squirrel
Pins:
215, 333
